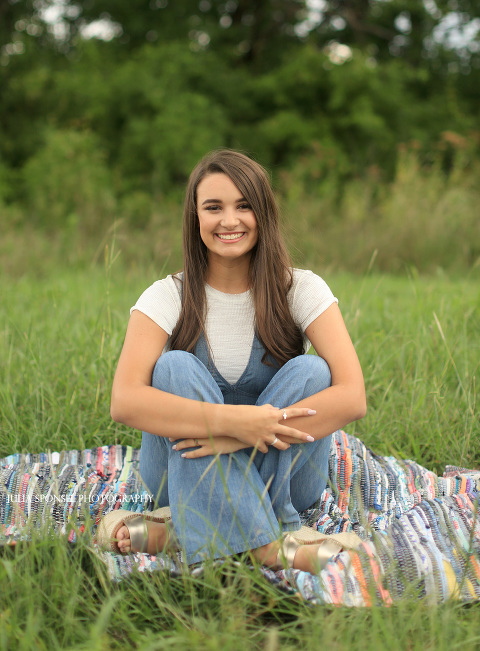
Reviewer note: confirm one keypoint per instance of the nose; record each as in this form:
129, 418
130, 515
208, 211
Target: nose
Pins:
229, 218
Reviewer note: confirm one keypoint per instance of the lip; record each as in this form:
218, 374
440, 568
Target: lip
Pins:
238, 239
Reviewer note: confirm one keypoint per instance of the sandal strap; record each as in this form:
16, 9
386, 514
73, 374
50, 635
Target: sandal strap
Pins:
138, 531
136, 524
290, 545
327, 549
286, 552
288, 549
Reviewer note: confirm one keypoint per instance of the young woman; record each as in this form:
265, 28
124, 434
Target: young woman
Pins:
236, 419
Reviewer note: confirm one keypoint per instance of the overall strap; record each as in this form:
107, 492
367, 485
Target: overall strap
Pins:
254, 378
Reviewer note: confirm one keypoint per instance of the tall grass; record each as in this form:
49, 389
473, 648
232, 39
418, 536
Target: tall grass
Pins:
61, 331
56, 596
417, 339
424, 220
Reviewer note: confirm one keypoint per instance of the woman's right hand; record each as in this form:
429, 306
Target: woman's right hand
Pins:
261, 427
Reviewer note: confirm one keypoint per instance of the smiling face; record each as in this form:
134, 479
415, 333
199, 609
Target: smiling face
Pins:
228, 226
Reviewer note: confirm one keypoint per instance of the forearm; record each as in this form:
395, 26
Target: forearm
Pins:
169, 415
165, 414
336, 407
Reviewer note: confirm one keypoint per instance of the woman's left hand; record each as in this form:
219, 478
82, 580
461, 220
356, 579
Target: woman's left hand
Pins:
210, 446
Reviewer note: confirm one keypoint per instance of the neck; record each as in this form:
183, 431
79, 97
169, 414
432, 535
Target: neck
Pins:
229, 276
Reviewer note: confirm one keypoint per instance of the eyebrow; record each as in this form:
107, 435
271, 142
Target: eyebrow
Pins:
220, 201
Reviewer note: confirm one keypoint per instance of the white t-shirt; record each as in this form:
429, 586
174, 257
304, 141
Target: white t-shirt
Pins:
230, 318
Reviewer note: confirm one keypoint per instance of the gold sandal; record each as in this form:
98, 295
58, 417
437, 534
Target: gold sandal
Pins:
329, 545
136, 524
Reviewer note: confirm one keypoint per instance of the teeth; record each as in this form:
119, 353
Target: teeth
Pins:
229, 237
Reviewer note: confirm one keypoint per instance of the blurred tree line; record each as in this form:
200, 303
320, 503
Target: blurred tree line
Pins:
106, 105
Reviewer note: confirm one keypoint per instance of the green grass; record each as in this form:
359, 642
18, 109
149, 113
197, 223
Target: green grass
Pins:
60, 335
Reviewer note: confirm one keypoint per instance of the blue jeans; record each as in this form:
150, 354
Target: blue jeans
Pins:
230, 503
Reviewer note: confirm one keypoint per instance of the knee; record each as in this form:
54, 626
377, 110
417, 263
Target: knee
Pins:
170, 365
312, 371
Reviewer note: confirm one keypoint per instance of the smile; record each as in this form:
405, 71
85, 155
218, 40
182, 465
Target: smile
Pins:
229, 237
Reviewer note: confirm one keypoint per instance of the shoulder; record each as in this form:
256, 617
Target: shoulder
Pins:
302, 275
166, 288
304, 280
162, 302
309, 296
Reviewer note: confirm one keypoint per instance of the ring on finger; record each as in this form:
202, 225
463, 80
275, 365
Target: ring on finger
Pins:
275, 440
284, 415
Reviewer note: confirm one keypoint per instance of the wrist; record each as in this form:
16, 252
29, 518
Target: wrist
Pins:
218, 417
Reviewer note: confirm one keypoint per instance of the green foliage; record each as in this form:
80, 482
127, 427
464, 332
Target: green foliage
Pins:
67, 181
169, 145
5, 182
139, 110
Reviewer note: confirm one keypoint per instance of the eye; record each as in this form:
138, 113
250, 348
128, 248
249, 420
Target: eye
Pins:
212, 208
245, 206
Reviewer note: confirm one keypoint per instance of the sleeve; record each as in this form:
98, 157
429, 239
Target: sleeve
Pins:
161, 303
309, 297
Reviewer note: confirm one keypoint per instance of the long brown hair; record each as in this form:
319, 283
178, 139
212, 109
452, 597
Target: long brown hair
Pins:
270, 265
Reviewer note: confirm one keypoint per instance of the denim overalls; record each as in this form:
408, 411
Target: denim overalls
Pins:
230, 503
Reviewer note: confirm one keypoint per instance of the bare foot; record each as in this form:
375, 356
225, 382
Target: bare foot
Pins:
306, 558
158, 538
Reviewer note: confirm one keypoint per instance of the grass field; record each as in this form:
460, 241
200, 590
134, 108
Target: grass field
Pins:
60, 336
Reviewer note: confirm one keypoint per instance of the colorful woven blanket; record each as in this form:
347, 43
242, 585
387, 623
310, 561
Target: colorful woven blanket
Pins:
421, 532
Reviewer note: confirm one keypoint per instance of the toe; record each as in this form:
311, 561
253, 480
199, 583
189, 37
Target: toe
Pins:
122, 533
123, 539
124, 546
